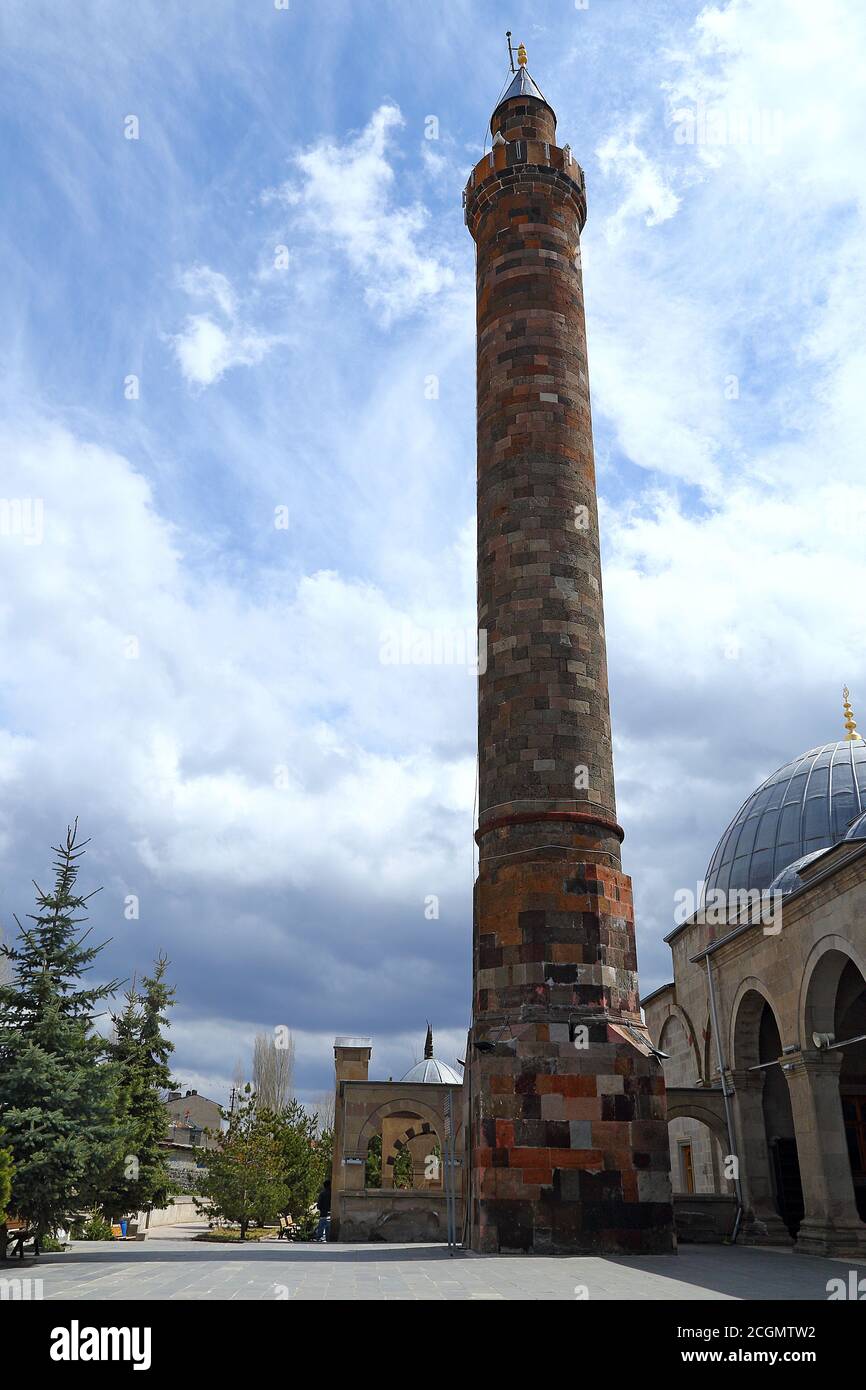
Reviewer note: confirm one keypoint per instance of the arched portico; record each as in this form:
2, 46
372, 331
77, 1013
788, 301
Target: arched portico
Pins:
820, 984
696, 1143
763, 1120
698, 1103
828, 1092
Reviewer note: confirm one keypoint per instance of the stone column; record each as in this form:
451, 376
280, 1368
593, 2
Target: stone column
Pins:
831, 1224
351, 1063
762, 1224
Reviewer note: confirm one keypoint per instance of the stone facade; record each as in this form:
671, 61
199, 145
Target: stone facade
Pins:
568, 1132
407, 1116
195, 1113
784, 993
193, 1123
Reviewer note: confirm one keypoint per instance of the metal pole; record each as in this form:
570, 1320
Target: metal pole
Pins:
448, 1173
720, 1058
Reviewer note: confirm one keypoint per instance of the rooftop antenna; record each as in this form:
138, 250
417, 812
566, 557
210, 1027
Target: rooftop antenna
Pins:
510, 50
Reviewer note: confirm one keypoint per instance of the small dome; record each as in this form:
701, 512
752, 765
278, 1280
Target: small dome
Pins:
431, 1069
857, 830
805, 806
789, 878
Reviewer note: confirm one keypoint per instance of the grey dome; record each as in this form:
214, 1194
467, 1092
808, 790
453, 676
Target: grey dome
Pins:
431, 1069
857, 831
805, 806
789, 878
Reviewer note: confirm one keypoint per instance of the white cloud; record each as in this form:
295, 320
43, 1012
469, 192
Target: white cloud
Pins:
201, 702
210, 284
346, 195
206, 349
646, 192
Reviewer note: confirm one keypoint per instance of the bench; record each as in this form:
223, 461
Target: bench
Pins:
20, 1235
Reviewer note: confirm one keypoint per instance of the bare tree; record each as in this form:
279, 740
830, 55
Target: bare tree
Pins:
324, 1109
273, 1069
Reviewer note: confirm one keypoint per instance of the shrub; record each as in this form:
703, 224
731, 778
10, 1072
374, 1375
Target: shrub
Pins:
94, 1228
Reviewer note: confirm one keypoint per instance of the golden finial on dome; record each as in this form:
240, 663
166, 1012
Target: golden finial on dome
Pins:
851, 734
521, 54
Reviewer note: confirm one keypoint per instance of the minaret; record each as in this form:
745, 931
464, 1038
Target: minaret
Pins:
569, 1143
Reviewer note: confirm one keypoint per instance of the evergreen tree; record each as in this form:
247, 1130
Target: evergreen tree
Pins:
305, 1158
373, 1166
243, 1181
7, 1168
403, 1175
57, 1098
138, 1177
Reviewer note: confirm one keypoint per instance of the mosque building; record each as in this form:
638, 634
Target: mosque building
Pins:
764, 1022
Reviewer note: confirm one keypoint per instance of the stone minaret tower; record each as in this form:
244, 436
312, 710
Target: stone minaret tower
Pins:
569, 1145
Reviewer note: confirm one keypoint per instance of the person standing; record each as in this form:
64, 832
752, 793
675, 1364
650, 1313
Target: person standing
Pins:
323, 1202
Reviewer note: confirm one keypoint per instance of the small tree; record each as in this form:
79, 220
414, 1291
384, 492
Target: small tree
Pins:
243, 1181
57, 1093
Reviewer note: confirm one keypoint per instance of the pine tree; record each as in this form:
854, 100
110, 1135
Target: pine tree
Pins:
244, 1179
57, 1097
305, 1159
138, 1179
7, 1168
157, 999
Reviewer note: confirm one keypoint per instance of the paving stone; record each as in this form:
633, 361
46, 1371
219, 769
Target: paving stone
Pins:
373, 1273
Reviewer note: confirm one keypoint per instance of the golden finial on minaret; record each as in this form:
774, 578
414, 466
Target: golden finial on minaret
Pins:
521, 54
851, 734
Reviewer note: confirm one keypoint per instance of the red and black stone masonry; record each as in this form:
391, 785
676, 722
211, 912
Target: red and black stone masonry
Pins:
569, 1145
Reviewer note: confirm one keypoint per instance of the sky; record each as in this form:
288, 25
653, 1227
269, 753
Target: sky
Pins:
237, 465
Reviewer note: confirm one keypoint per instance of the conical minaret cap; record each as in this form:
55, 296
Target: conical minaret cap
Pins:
521, 85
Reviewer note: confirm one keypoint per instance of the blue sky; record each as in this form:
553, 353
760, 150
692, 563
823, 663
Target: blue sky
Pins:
280, 262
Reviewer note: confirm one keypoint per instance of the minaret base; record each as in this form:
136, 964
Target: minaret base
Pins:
555, 1175
569, 1138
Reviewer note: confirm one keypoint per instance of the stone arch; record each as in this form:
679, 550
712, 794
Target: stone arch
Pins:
412, 1109
674, 1011
749, 1003
769, 1146
819, 985
707, 1111
406, 1140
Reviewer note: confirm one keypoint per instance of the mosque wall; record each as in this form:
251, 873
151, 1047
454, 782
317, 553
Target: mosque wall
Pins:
776, 987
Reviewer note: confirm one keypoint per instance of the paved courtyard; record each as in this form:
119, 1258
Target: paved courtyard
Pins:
173, 1267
